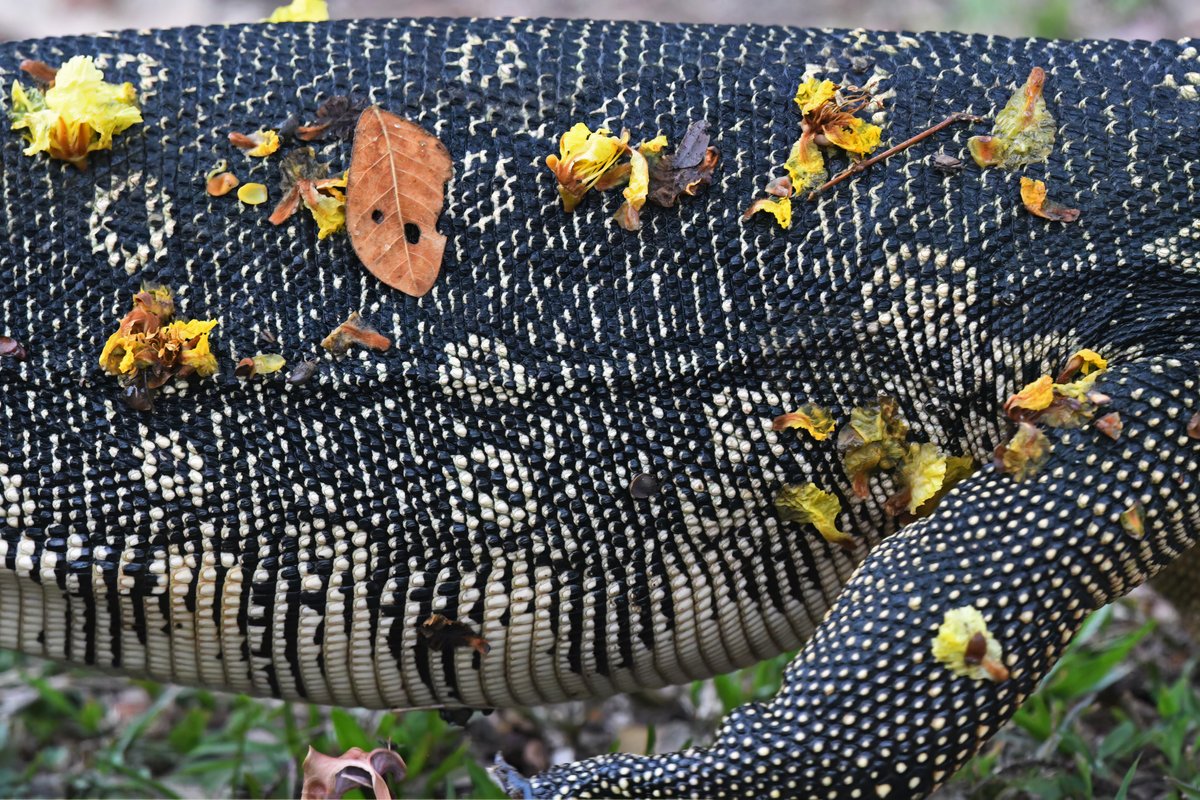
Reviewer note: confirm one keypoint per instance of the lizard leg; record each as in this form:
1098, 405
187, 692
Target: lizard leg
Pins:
866, 710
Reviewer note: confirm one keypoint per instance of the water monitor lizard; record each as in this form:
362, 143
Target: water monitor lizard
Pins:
287, 541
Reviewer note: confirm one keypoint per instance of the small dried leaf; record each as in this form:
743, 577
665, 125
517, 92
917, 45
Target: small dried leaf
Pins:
808, 504
1193, 426
685, 172
444, 633
1110, 425
332, 776
810, 417
1023, 456
1033, 195
354, 331
245, 369
11, 348
336, 119
40, 71
945, 163
398, 175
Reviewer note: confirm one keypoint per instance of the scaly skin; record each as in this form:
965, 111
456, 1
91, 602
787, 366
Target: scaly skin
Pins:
289, 541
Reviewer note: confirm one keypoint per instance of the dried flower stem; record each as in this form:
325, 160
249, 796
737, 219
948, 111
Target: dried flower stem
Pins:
859, 166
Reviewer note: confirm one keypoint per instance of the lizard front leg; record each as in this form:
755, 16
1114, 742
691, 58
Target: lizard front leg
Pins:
866, 710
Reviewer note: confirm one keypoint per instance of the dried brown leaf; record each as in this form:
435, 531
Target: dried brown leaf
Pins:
332, 776
396, 190
11, 348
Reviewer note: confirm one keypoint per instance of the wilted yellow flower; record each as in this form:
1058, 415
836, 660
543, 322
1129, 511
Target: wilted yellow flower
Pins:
654, 147
813, 93
964, 644
1034, 397
854, 135
808, 504
301, 11
1091, 360
924, 470
77, 115
327, 205
584, 157
628, 215
259, 144
810, 417
781, 209
805, 165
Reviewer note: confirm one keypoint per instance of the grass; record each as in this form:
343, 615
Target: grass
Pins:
1118, 718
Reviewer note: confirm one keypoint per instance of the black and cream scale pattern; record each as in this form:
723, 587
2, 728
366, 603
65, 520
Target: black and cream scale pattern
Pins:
289, 540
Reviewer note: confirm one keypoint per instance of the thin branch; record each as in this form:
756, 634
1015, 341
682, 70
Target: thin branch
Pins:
859, 166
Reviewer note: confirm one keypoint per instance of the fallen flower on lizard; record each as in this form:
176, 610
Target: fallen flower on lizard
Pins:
79, 114
1024, 130
259, 144
808, 504
584, 157
1033, 196
354, 331
965, 646
810, 417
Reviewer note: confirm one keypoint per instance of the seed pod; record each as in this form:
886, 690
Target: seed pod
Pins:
303, 372
643, 486
11, 348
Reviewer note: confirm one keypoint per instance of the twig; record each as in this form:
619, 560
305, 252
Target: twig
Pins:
859, 166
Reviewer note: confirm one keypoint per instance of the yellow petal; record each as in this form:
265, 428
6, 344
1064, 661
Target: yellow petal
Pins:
252, 193
1034, 397
265, 364
1091, 360
653, 147
924, 471
810, 417
301, 11
813, 93
856, 136
781, 209
805, 165
953, 646
1024, 454
639, 180
184, 331
810, 505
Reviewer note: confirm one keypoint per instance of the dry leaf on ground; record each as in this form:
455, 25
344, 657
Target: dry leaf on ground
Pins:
332, 776
396, 190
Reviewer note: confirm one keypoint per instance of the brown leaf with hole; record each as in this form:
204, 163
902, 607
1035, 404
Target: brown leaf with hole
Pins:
333, 776
396, 190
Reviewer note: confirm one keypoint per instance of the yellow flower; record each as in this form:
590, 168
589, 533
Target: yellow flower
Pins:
79, 114
199, 357
813, 93
924, 471
855, 136
584, 157
259, 144
329, 210
301, 11
808, 504
964, 644
805, 165
1034, 397
1091, 360
810, 417
781, 209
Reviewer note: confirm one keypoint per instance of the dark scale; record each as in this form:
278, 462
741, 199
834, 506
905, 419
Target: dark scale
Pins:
577, 418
